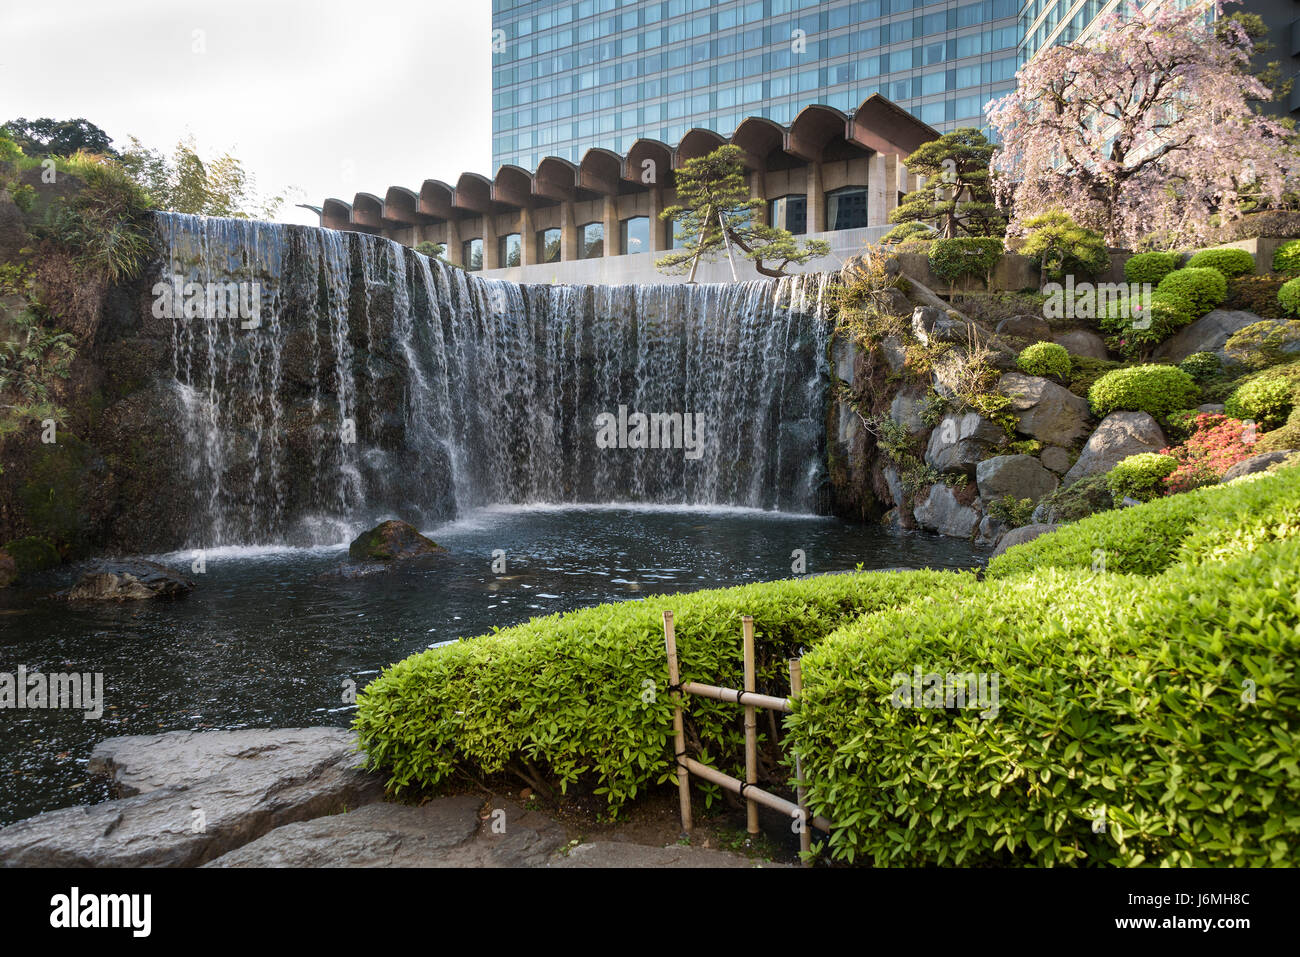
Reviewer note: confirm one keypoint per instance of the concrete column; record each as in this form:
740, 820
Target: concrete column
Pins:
895, 181
569, 248
877, 205
658, 228
454, 253
527, 238
491, 248
757, 191
816, 199
610, 222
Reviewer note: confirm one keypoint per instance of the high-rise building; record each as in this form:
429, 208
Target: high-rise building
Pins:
570, 75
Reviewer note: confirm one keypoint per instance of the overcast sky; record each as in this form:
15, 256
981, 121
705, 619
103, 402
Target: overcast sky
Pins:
332, 97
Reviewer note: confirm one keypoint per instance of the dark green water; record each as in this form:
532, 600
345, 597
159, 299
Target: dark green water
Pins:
269, 637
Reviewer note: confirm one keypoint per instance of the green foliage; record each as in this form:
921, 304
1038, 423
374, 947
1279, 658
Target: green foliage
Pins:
1230, 262
1140, 476
957, 198
954, 259
186, 183
1266, 400
1156, 389
712, 191
1045, 359
1120, 703
1201, 289
1287, 258
1257, 294
1201, 365
32, 554
31, 359
1149, 267
48, 137
1087, 496
10, 151
1063, 247
909, 235
1011, 511
862, 301
1288, 297
1263, 344
1085, 370
1147, 539
584, 696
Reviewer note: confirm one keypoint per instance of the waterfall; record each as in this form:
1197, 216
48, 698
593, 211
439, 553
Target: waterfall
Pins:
376, 382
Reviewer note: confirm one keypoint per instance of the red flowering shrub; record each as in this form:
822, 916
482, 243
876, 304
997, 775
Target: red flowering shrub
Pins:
1216, 443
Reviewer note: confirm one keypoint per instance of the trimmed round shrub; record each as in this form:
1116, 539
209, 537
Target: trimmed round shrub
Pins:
1156, 389
1265, 400
1287, 258
1045, 359
1201, 289
1288, 297
1149, 267
1230, 262
1201, 365
1140, 476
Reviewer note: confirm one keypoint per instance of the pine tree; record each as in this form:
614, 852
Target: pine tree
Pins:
957, 198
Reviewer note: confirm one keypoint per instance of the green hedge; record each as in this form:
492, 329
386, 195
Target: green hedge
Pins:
1201, 365
1044, 359
1150, 388
1140, 476
1149, 267
1266, 400
954, 259
1288, 297
1229, 261
1287, 258
1201, 289
1147, 539
1118, 696
568, 693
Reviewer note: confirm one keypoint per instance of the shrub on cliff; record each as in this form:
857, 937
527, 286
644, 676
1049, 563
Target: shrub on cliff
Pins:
1288, 297
1266, 400
1214, 444
1286, 260
1201, 289
1045, 359
1140, 476
1149, 267
1228, 261
1156, 389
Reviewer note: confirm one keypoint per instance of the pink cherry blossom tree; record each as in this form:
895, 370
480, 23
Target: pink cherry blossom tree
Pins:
1149, 128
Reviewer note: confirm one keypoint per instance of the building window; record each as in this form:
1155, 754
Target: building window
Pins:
846, 208
472, 250
510, 250
789, 212
592, 240
548, 246
636, 235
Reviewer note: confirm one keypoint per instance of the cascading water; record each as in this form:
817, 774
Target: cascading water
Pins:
376, 382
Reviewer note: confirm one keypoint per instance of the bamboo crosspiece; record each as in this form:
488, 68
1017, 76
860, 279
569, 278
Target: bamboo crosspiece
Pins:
751, 701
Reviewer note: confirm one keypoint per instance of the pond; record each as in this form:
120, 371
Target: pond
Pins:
271, 636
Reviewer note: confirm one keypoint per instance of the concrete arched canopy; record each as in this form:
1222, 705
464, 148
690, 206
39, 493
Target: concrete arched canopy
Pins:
336, 214
658, 156
814, 128
473, 192
556, 179
401, 207
435, 199
513, 186
367, 212
696, 143
600, 171
759, 137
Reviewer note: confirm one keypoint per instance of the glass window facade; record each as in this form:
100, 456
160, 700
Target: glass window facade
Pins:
846, 208
592, 240
548, 246
789, 212
472, 250
636, 236
510, 250
569, 75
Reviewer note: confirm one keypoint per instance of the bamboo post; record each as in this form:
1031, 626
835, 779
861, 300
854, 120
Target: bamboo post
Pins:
796, 688
751, 725
679, 730
730, 255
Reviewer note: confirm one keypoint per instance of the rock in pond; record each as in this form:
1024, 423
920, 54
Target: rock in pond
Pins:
391, 541
128, 580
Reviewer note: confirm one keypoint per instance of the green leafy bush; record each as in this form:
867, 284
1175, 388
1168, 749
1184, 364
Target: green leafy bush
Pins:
1257, 294
1229, 261
1149, 267
1011, 511
583, 696
1064, 248
1288, 297
1085, 370
1201, 365
1266, 400
1087, 496
1045, 359
1147, 539
1287, 258
1140, 476
1133, 329
1263, 344
1120, 703
973, 256
1201, 289
1150, 388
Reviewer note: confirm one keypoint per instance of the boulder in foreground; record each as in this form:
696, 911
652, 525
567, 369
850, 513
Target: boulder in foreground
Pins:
391, 541
129, 580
